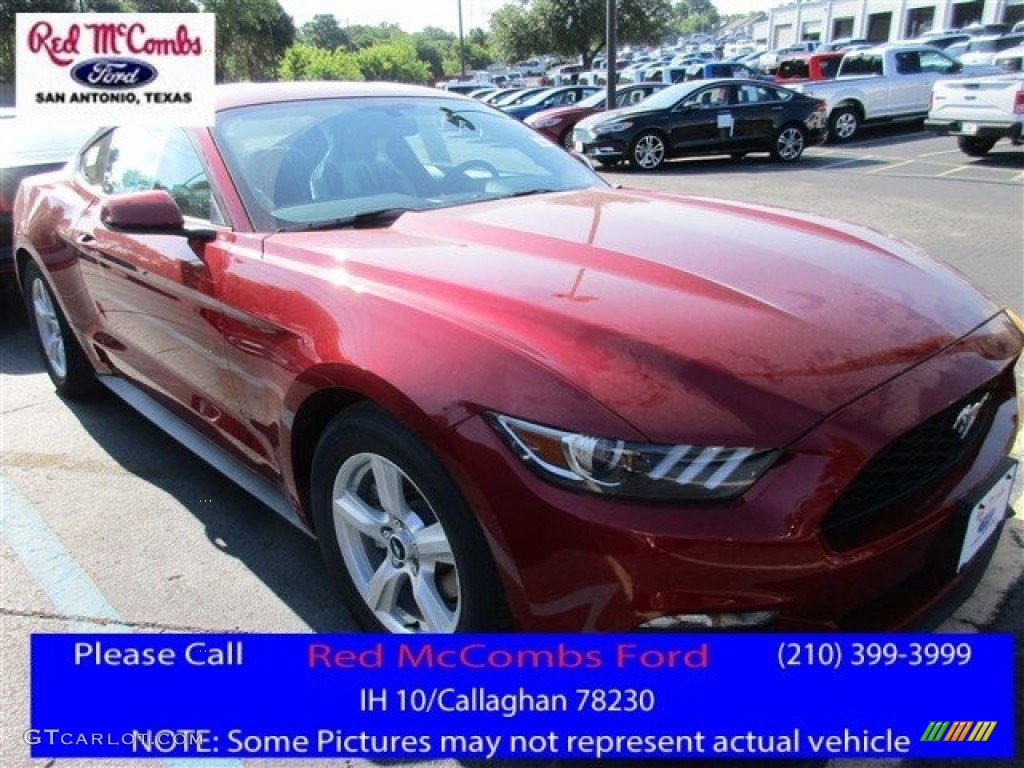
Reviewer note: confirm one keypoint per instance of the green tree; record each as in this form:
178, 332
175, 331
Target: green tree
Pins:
574, 27
514, 33
252, 36
365, 35
432, 53
8, 16
323, 31
395, 61
165, 6
695, 16
307, 62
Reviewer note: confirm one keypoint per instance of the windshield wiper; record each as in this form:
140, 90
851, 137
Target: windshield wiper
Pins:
355, 221
528, 192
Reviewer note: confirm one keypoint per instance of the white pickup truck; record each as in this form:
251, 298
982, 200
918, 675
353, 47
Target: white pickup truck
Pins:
979, 111
890, 82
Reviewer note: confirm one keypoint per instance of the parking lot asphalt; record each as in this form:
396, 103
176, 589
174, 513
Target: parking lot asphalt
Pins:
120, 529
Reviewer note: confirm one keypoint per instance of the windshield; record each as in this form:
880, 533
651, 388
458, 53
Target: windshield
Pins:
594, 100
312, 163
669, 97
536, 98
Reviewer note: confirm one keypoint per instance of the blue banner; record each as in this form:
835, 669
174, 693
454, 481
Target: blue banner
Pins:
516, 696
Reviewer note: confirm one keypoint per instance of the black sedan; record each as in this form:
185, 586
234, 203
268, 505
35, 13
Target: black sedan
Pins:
705, 117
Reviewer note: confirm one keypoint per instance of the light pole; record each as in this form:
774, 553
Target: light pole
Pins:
462, 46
612, 45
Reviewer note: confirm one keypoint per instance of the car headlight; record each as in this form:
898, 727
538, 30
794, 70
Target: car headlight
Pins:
634, 470
547, 122
621, 125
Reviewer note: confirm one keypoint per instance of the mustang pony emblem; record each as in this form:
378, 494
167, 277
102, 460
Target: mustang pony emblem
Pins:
967, 417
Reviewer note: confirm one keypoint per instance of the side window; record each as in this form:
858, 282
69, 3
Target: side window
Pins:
933, 61
132, 159
181, 174
142, 158
89, 163
829, 68
713, 98
908, 63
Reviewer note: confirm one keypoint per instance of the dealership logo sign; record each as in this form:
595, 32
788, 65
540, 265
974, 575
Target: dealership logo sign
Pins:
116, 68
113, 74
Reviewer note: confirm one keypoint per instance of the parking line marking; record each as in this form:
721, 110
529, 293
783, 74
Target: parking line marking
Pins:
888, 167
847, 161
943, 152
60, 576
67, 586
951, 171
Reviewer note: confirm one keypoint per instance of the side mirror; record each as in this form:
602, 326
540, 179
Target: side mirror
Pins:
956, 67
152, 212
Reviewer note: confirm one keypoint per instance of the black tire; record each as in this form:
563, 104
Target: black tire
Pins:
566, 139
843, 124
66, 364
789, 143
648, 151
974, 147
400, 500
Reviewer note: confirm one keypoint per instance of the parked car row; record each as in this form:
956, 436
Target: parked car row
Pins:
890, 82
979, 111
725, 116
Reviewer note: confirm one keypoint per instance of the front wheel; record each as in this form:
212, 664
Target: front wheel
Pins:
789, 144
65, 362
843, 124
975, 147
648, 151
396, 532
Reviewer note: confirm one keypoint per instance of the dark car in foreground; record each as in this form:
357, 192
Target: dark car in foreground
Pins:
705, 117
27, 148
502, 393
557, 123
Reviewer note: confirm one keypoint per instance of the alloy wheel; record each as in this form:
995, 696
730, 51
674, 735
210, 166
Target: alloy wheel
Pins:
47, 323
396, 551
649, 151
789, 144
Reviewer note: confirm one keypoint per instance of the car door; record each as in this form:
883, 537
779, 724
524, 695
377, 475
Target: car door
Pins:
701, 119
157, 294
756, 115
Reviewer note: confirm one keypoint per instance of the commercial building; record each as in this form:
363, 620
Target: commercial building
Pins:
879, 20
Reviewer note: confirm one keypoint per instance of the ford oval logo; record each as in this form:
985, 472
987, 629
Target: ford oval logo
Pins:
113, 74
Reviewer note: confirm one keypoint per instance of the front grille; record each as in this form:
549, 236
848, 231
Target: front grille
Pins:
915, 462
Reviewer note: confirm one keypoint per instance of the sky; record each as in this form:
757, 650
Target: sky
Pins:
414, 15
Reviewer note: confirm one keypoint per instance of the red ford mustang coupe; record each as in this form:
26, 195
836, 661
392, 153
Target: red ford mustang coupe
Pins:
503, 394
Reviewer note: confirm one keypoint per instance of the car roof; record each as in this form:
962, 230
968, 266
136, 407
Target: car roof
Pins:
235, 95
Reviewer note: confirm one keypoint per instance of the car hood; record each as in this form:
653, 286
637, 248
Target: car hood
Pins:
614, 114
557, 112
693, 319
